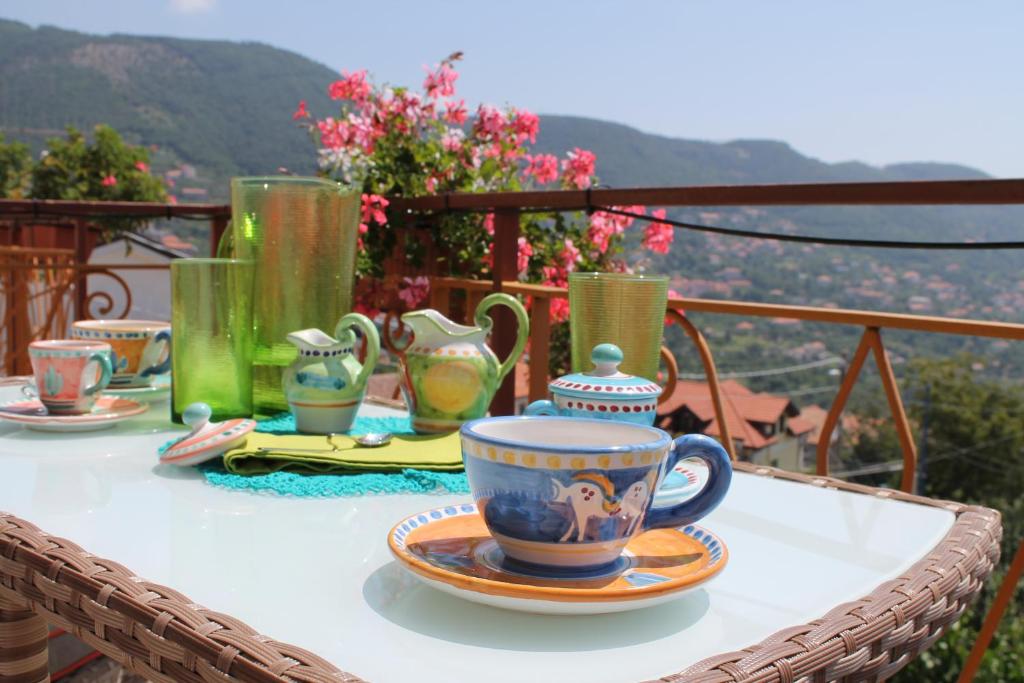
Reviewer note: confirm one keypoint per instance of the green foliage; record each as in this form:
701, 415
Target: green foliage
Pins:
104, 169
971, 432
15, 165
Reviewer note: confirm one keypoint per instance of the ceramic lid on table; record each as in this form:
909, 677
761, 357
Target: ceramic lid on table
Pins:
207, 440
605, 380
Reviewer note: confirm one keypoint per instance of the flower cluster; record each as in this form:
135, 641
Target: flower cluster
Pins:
393, 141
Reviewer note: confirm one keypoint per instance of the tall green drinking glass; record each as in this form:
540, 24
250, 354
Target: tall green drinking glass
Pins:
301, 233
211, 327
621, 309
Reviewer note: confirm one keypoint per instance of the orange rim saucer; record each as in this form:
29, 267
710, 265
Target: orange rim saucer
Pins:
450, 548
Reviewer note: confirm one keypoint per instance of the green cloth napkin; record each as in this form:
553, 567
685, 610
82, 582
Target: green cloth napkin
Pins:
440, 453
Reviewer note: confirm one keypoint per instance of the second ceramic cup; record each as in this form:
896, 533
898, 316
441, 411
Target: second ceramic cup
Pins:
141, 348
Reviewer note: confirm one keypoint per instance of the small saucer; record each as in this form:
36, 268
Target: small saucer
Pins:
108, 411
159, 390
450, 549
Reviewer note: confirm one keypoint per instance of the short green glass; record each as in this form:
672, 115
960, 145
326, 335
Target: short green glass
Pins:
622, 309
211, 326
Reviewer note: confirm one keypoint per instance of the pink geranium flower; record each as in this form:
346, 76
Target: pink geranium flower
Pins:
108, 181
559, 310
362, 132
373, 209
440, 82
543, 167
490, 122
333, 134
569, 256
658, 236
452, 139
525, 125
301, 112
578, 168
413, 292
142, 166
523, 256
455, 112
350, 87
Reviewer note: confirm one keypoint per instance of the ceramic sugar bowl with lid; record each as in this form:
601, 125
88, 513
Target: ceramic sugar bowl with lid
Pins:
603, 393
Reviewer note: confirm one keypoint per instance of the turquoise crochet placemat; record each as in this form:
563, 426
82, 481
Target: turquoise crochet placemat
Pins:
329, 485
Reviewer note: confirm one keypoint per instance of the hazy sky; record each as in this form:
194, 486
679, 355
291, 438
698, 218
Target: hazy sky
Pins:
877, 81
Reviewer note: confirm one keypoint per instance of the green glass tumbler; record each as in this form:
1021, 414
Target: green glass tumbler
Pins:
211, 326
622, 309
301, 233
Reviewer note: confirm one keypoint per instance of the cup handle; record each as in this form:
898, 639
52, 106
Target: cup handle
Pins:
719, 478
541, 408
105, 372
522, 328
673, 374
164, 365
371, 336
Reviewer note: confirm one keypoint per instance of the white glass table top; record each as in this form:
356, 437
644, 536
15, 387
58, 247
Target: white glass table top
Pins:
317, 572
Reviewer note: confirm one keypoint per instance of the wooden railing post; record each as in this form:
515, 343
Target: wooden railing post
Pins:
81, 277
540, 347
440, 296
217, 227
506, 252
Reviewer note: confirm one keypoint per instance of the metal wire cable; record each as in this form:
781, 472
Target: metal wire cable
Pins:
808, 239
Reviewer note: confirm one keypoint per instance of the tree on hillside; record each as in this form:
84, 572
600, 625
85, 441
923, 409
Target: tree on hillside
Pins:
15, 169
104, 169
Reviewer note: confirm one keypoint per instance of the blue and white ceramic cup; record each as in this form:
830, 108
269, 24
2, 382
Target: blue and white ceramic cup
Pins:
567, 494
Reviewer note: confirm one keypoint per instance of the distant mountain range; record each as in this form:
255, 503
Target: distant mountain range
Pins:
226, 108
214, 109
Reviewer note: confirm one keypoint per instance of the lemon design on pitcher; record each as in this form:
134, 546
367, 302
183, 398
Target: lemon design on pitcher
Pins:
452, 387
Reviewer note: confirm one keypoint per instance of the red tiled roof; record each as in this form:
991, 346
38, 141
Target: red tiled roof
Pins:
815, 416
798, 425
740, 405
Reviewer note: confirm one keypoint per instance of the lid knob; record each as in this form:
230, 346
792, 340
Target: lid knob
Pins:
606, 359
196, 415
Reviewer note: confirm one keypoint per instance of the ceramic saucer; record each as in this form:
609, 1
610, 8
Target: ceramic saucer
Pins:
108, 411
450, 549
159, 390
